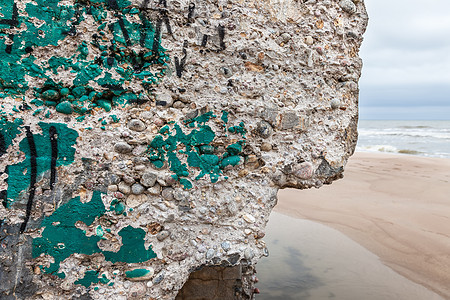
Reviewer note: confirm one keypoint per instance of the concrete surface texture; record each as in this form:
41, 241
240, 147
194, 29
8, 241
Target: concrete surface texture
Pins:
141, 140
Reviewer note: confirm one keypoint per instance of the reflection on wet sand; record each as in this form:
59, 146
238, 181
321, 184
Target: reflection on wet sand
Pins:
311, 261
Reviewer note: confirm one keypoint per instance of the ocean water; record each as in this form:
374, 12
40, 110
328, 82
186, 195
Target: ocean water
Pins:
425, 138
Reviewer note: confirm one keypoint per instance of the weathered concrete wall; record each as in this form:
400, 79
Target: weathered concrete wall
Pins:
140, 140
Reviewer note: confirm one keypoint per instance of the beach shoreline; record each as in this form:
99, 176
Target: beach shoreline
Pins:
396, 206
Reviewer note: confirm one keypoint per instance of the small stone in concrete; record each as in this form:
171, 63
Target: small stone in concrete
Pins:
264, 129
136, 125
122, 147
128, 179
266, 147
137, 189
140, 274
167, 194
124, 188
158, 278
309, 40
304, 170
335, 103
226, 246
163, 235
154, 190
210, 253
289, 120
164, 99
248, 253
148, 179
348, 6
249, 218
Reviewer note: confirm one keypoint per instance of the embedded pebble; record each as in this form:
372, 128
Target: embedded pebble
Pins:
124, 188
226, 246
137, 189
167, 194
348, 6
128, 179
122, 147
154, 190
139, 274
134, 201
158, 278
161, 236
304, 170
249, 218
136, 125
264, 129
335, 103
210, 253
148, 179
249, 253
266, 147
113, 188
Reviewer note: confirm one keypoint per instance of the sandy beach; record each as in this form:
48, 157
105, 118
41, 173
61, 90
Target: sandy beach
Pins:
396, 206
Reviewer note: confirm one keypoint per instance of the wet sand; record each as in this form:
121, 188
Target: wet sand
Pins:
396, 206
311, 261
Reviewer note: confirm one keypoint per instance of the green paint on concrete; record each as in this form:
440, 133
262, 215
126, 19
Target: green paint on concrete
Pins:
137, 273
105, 62
59, 229
133, 249
225, 117
198, 150
9, 131
89, 278
240, 129
64, 107
20, 173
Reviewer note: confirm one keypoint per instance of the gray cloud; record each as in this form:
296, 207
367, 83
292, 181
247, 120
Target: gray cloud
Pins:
406, 54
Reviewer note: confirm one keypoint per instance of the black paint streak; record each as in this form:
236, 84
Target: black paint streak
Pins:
33, 177
145, 24
221, 30
204, 40
113, 87
124, 31
4, 193
191, 13
13, 22
157, 37
54, 145
113, 4
179, 65
2, 145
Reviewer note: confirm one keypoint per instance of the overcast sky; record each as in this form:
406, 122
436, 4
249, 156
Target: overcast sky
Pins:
406, 55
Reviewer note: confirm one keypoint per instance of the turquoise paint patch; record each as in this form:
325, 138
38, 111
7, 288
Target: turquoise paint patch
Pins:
198, 149
137, 273
19, 174
240, 129
133, 249
90, 277
57, 22
60, 238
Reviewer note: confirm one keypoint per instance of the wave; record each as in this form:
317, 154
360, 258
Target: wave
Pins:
444, 134
415, 127
388, 149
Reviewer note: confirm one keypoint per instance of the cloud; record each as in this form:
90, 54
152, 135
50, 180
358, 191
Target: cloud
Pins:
406, 54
